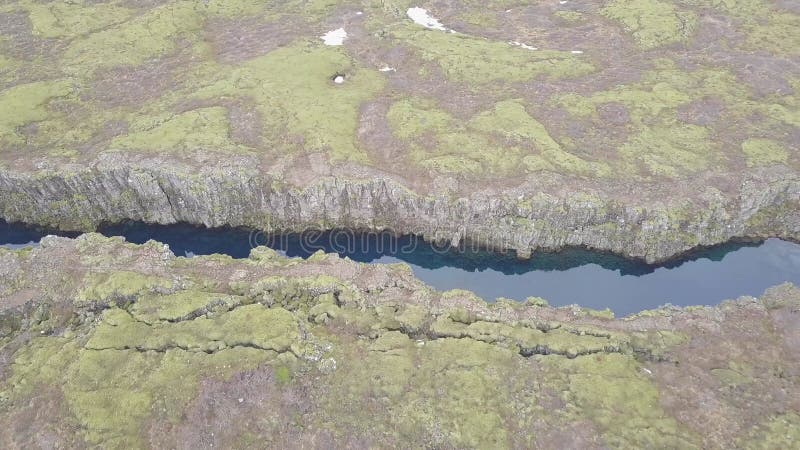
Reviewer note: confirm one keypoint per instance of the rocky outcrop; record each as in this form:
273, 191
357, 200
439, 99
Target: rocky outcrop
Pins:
651, 228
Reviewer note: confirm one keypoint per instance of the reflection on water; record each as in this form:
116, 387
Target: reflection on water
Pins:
588, 278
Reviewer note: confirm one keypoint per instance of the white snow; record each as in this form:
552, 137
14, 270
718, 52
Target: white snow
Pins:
339, 79
387, 69
525, 46
577, 52
420, 16
334, 37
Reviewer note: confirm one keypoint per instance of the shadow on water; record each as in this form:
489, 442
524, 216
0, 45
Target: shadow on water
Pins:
14, 234
370, 247
185, 239
589, 278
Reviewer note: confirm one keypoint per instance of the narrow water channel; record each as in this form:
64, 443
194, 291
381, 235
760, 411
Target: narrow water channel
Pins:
572, 276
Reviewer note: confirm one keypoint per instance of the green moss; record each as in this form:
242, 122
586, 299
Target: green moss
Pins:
151, 34
778, 431
6, 62
472, 407
321, 312
462, 315
479, 18
41, 362
414, 118
114, 392
600, 314
249, 326
200, 129
294, 93
660, 144
731, 377
612, 392
777, 34
283, 375
104, 287
391, 342
295, 292
110, 36
537, 301
447, 391
264, 254
58, 134
442, 143
99, 411
570, 16
789, 115
764, 152
670, 152
511, 119
527, 340
412, 318
656, 345
740, 9
26, 103
234, 8
153, 308
781, 296
461, 293
479, 61
318, 9
576, 105
72, 19
653, 23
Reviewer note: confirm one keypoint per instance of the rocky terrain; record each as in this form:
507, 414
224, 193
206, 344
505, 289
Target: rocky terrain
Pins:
645, 128
111, 344
642, 127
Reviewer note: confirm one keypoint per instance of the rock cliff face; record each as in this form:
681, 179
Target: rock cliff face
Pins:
535, 125
767, 205
110, 344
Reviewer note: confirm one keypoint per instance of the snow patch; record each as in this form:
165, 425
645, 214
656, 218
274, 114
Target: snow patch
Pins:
334, 37
387, 69
576, 52
339, 79
420, 16
520, 44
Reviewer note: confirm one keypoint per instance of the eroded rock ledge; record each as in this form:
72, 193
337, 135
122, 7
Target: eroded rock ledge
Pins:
652, 227
120, 345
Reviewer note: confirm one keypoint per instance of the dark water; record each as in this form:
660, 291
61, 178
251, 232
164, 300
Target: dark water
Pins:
592, 279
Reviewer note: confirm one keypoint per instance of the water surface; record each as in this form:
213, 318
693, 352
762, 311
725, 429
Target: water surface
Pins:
572, 276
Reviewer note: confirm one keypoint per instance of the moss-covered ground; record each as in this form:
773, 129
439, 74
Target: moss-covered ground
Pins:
607, 91
133, 348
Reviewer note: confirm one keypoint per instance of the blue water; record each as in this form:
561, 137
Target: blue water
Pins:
573, 276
